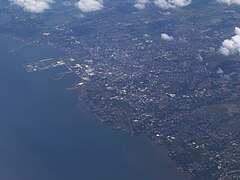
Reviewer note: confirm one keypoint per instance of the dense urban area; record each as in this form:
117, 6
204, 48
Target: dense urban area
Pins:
181, 92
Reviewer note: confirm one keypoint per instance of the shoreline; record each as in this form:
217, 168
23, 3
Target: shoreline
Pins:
162, 150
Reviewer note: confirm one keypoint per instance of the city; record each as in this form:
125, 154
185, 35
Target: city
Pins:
182, 93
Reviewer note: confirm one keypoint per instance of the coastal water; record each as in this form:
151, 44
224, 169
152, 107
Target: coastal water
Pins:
47, 134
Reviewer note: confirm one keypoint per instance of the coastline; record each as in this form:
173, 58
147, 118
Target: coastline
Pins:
162, 151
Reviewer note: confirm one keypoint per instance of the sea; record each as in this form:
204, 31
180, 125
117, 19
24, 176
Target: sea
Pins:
46, 133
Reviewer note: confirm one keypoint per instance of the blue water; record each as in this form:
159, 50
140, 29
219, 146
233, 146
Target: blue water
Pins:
47, 134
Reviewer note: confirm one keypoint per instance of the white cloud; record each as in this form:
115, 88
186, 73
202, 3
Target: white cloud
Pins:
229, 2
141, 4
34, 6
67, 3
231, 46
167, 4
166, 37
90, 5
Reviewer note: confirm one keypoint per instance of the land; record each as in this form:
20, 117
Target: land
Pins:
183, 94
